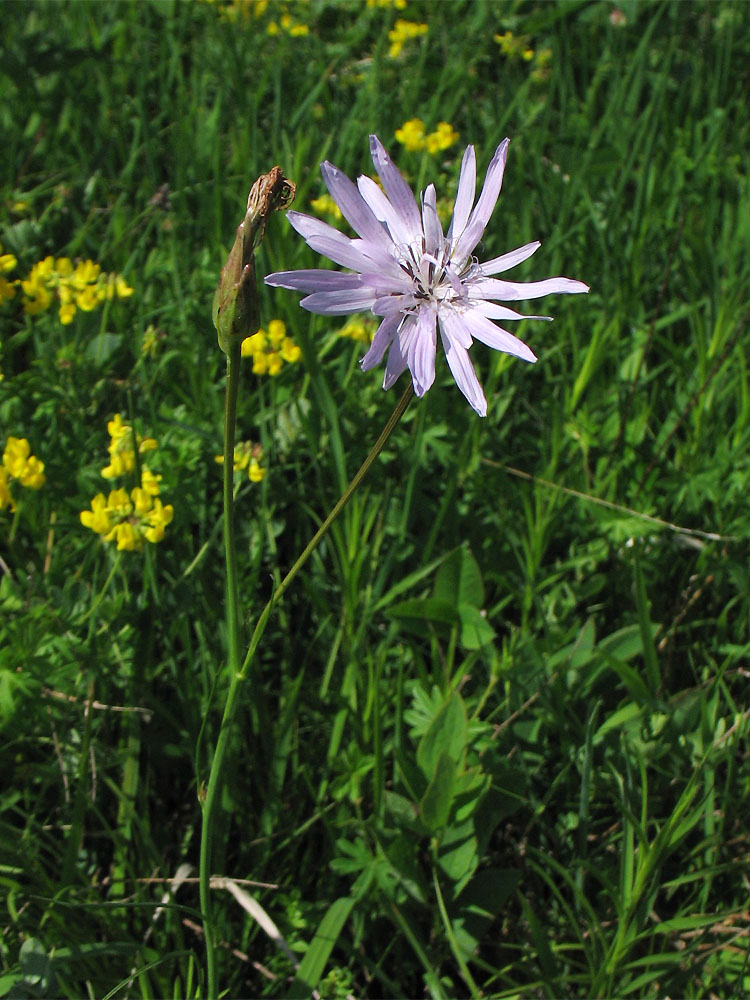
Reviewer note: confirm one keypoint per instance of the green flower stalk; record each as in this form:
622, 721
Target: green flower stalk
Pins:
236, 316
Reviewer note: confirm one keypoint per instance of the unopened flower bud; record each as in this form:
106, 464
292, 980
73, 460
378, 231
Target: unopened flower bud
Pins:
235, 308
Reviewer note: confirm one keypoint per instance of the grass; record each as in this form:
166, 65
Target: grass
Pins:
495, 741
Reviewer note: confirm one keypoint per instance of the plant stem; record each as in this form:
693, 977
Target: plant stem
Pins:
323, 529
233, 629
237, 674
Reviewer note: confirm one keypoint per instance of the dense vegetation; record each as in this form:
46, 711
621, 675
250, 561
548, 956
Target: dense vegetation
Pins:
495, 741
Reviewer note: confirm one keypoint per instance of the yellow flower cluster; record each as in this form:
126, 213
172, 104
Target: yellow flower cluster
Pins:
412, 136
131, 519
288, 26
81, 286
7, 263
403, 32
121, 448
234, 10
514, 46
396, 4
270, 349
247, 458
21, 465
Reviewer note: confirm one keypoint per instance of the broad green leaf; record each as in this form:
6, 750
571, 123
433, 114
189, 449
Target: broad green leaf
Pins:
476, 631
459, 581
459, 853
447, 734
435, 806
419, 611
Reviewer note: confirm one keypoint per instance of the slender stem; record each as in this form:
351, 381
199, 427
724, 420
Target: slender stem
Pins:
230, 418
239, 674
233, 619
102, 593
323, 529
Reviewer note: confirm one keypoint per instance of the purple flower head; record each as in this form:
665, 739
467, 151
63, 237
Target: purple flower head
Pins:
403, 268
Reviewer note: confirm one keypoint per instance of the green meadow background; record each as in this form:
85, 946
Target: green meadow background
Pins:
557, 597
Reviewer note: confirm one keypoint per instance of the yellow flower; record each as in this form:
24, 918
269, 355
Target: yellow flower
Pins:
98, 517
67, 312
7, 261
247, 458
397, 4
88, 298
255, 344
290, 352
255, 471
514, 46
260, 364
86, 273
158, 519
36, 287
126, 536
401, 33
118, 286
21, 465
276, 332
442, 138
150, 482
121, 453
33, 474
411, 135
270, 348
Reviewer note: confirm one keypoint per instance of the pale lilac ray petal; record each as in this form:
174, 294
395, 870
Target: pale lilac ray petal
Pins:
341, 250
494, 336
380, 342
398, 191
384, 211
484, 207
339, 303
508, 260
313, 280
461, 368
433, 231
330, 242
388, 283
453, 326
353, 207
493, 311
421, 355
307, 225
378, 256
397, 355
467, 183
514, 291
